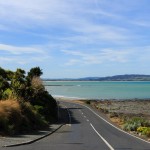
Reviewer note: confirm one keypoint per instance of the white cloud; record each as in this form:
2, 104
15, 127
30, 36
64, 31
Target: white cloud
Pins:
31, 13
74, 17
96, 33
141, 23
17, 50
22, 54
64, 24
20, 60
72, 62
4, 60
102, 56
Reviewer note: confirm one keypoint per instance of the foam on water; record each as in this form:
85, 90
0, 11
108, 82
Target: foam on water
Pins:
99, 90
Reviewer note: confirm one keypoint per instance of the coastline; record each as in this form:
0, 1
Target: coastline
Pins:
126, 106
61, 97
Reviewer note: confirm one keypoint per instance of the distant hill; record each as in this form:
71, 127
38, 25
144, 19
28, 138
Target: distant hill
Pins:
132, 77
127, 77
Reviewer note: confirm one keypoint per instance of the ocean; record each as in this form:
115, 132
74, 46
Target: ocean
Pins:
99, 89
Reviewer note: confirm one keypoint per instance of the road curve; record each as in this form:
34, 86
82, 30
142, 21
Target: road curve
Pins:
86, 130
113, 137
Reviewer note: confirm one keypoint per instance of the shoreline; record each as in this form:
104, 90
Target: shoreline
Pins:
100, 99
94, 81
125, 106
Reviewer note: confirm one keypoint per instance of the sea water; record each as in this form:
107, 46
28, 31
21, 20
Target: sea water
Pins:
98, 89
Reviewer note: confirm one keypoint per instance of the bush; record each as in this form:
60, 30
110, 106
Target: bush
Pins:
10, 116
7, 94
27, 105
131, 126
49, 104
17, 117
88, 102
113, 114
134, 123
144, 131
39, 109
32, 120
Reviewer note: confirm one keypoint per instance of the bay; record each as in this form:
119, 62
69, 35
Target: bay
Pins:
99, 90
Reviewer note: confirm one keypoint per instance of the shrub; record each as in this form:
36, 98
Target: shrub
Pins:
88, 102
3, 85
32, 120
114, 114
27, 105
144, 131
131, 126
7, 94
39, 109
10, 116
134, 123
36, 84
17, 117
49, 104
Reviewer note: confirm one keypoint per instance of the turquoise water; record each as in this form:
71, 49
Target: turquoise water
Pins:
99, 90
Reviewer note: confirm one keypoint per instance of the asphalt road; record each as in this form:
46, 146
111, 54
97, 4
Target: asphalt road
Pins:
85, 130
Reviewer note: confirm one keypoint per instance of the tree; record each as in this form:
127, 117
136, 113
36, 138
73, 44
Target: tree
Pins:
3, 86
9, 74
18, 86
35, 72
18, 83
3, 73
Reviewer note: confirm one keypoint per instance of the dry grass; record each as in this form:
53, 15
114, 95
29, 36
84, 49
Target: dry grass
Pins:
117, 121
18, 117
37, 83
10, 116
9, 107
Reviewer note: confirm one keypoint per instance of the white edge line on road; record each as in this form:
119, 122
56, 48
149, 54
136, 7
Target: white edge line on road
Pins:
115, 126
112, 124
111, 148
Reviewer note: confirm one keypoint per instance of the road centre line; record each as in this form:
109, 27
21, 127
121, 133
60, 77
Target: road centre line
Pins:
110, 147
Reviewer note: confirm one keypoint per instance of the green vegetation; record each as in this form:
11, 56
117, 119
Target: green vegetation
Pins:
25, 105
139, 125
134, 123
144, 131
88, 102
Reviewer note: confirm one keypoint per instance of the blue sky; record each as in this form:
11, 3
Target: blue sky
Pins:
76, 38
